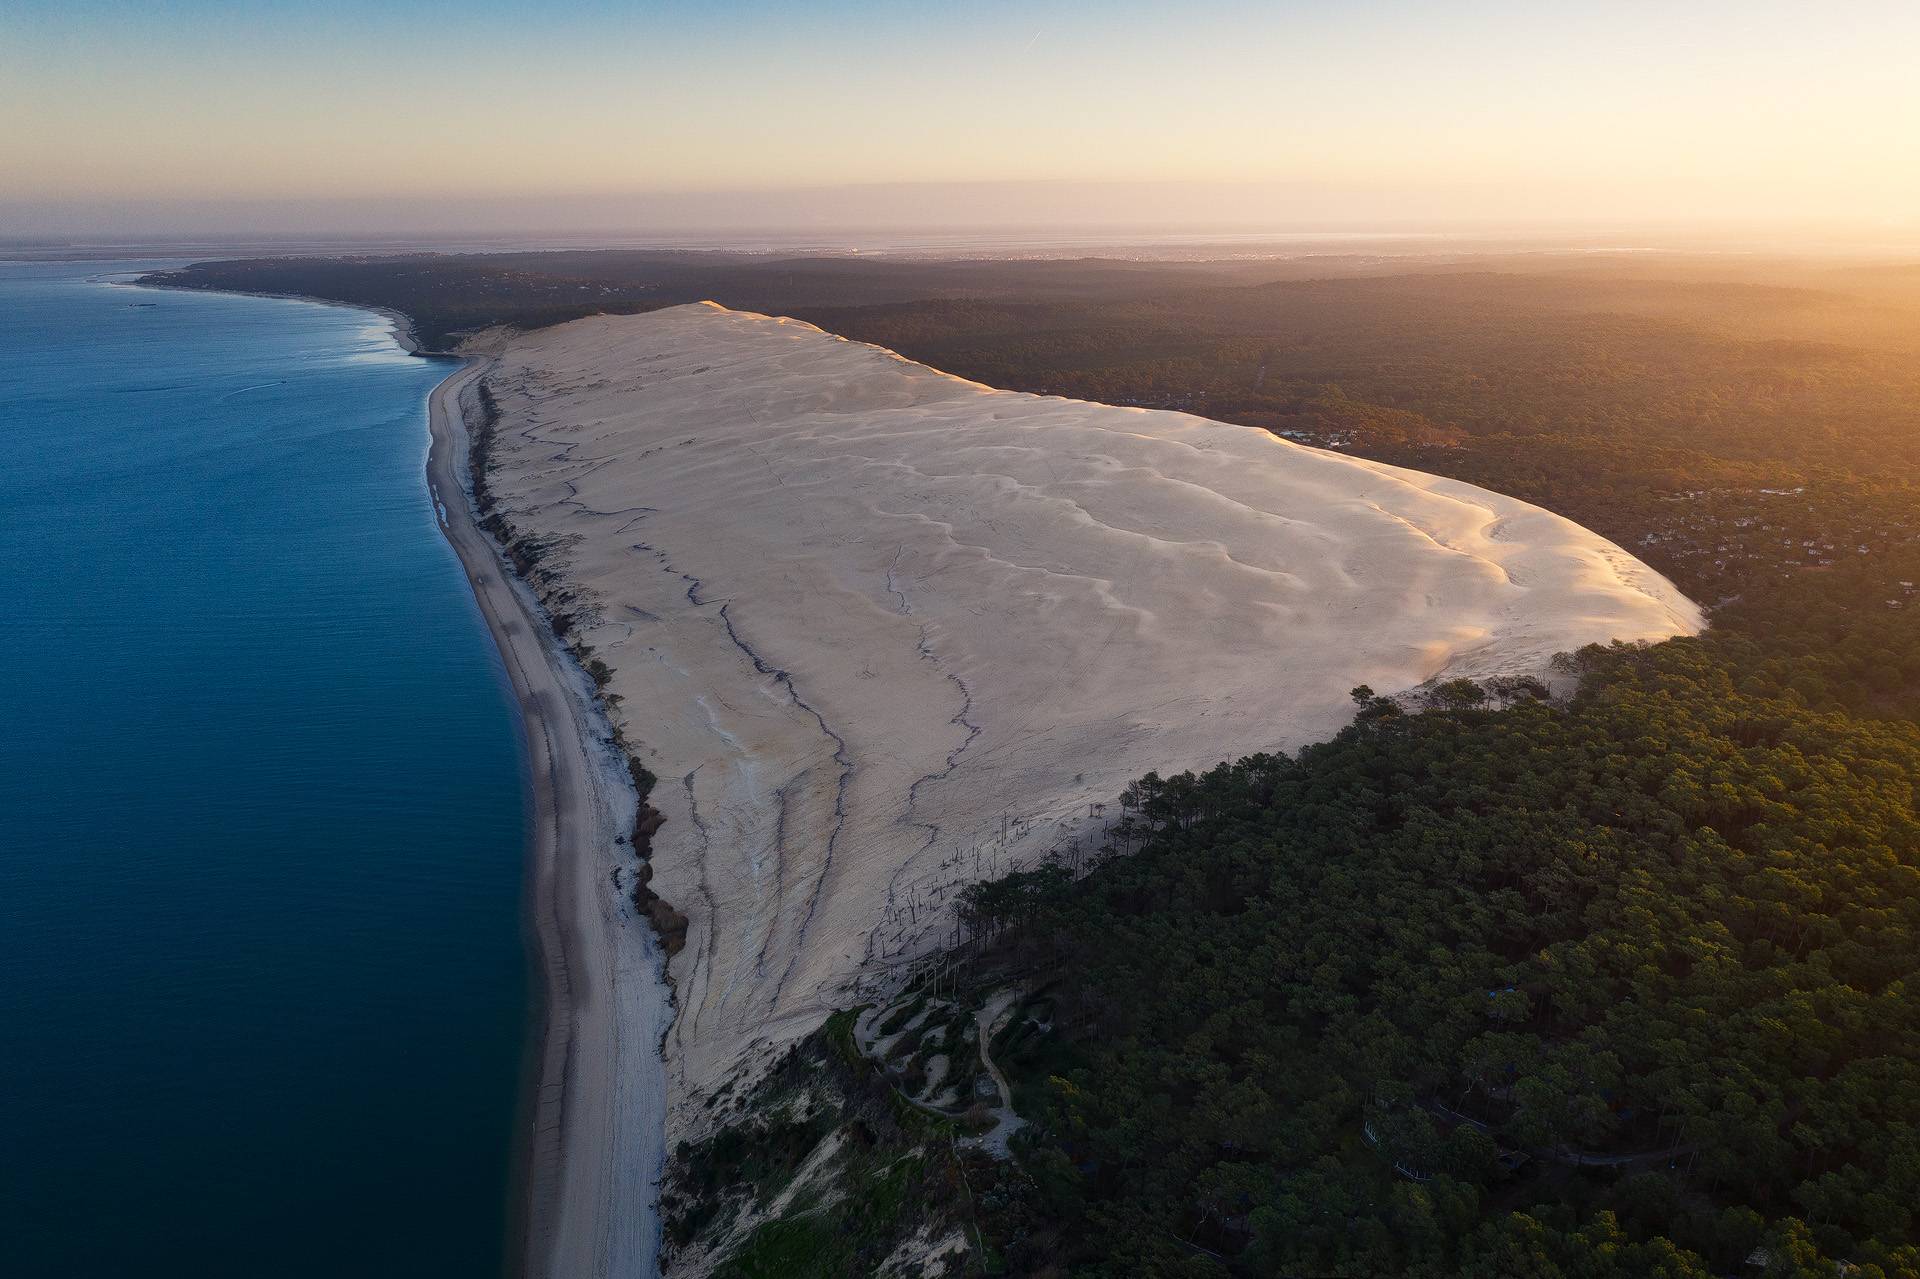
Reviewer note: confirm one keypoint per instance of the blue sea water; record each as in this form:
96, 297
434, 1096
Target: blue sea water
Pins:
263, 981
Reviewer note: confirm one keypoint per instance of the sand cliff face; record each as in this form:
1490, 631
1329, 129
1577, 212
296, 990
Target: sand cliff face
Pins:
881, 631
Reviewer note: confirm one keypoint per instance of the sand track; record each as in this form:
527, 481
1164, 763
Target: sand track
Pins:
887, 631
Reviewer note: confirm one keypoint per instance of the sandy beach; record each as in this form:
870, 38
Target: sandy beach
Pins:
593, 1147
884, 631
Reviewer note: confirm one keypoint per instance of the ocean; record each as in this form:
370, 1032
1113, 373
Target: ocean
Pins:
263, 978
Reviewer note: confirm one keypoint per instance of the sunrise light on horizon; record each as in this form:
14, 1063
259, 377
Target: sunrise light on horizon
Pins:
132, 116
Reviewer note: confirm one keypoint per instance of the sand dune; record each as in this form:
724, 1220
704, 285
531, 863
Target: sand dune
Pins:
881, 631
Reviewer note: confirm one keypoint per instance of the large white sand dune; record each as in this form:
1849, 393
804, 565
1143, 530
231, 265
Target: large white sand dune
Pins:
881, 631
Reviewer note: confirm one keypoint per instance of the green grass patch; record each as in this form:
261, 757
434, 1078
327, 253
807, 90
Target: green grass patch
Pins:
839, 1033
793, 1248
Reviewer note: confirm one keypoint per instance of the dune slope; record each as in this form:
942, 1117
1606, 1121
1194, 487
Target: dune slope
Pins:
881, 631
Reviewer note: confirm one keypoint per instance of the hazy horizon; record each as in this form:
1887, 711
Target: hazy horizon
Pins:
217, 118
932, 220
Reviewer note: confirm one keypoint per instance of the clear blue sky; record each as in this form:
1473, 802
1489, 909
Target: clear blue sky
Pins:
1483, 109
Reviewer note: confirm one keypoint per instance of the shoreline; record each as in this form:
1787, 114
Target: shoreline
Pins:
589, 1139
593, 1134
591, 1121
405, 336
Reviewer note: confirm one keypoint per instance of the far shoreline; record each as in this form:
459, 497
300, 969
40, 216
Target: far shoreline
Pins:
405, 335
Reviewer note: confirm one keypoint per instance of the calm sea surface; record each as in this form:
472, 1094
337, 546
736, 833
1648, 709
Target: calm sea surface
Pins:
262, 978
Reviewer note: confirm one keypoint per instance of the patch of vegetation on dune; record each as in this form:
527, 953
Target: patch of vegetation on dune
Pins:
820, 1169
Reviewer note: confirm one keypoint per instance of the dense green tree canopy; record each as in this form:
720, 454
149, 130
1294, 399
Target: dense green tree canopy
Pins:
1621, 986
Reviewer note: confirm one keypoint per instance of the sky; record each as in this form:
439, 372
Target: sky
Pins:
1204, 115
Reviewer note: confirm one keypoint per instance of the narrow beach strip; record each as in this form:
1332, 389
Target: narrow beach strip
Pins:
596, 1140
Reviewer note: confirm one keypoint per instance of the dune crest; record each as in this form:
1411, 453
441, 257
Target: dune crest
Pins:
881, 631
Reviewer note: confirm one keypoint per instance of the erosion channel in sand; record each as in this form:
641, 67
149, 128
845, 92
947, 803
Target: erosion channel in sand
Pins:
596, 1116
880, 632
